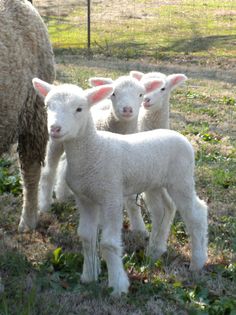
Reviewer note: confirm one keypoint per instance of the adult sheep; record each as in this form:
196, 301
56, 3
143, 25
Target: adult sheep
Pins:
25, 52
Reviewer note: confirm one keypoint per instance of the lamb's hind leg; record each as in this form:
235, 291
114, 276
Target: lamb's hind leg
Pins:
88, 231
194, 213
135, 215
162, 211
112, 249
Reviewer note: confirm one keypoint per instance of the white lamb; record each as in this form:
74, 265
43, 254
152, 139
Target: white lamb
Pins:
154, 114
104, 167
155, 111
128, 93
119, 115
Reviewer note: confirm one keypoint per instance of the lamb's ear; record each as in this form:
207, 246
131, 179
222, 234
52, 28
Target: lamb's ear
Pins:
153, 84
97, 81
41, 87
99, 93
175, 80
136, 74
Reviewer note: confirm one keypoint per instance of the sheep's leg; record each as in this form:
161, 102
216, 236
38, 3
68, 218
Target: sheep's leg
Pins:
87, 231
30, 173
194, 213
162, 211
62, 190
111, 248
135, 215
54, 152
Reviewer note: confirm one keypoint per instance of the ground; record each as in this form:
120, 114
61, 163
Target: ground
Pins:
40, 270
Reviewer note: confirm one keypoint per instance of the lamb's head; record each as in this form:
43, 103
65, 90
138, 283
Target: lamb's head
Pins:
128, 94
159, 98
68, 107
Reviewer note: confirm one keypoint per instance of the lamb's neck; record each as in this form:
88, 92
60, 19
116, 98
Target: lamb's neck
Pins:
156, 120
84, 147
121, 127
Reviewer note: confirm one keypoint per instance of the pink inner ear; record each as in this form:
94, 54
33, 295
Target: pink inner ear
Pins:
98, 82
101, 94
177, 79
153, 86
137, 75
41, 89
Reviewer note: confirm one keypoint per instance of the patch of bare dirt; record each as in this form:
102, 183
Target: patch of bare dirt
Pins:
103, 9
60, 8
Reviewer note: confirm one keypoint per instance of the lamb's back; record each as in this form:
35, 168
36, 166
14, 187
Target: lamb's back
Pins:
149, 157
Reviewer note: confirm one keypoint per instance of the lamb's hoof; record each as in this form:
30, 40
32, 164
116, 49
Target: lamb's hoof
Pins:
87, 278
90, 276
155, 253
198, 260
44, 208
197, 266
121, 287
27, 225
45, 205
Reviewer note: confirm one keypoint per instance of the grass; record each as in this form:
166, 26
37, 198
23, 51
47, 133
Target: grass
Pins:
154, 31
40, 270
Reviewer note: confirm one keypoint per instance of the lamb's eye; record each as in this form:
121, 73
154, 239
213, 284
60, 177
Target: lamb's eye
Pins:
163, 89
140, 95
113, 94
79, 109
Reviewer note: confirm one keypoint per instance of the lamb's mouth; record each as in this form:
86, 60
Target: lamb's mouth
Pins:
147, 105
57, 136
127, 115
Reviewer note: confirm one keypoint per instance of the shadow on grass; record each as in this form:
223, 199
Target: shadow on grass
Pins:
221, 70
132, 49
179, 56
199, 43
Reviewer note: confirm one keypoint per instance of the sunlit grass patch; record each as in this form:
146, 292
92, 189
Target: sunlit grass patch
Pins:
157, 31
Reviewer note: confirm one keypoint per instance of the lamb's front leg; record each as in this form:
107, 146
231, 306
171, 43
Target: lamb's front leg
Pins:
54, 152
62, 190
87, 231
162, 210
111, 247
